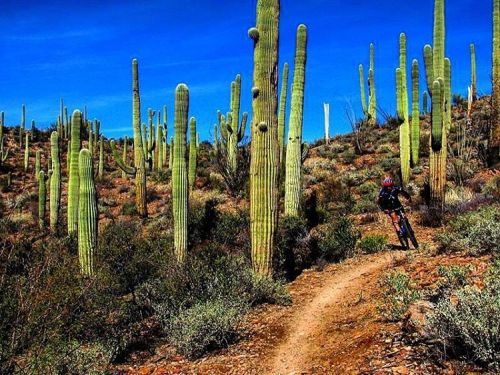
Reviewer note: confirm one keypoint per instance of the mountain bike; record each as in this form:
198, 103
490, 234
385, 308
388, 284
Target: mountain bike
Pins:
406, 231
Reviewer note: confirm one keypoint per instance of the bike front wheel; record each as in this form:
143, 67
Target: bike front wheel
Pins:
411, 233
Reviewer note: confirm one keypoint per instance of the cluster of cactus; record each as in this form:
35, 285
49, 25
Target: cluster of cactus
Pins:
264, 165
139, 169
370, 109
231, 130
402, 109
294, 150
438, 77
87, 213
179, 172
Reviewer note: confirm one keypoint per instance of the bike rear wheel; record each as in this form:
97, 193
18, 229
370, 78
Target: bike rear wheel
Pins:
411, 233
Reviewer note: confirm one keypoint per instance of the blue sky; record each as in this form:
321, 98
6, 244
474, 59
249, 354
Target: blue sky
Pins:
82, 51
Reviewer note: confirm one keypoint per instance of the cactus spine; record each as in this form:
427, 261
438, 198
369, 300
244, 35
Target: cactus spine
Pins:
293, 171
139, 169
55, 181
473, 76
87, 214
494, 141
76, 122
282, 115
193, 153
179, 172
42, 199
415, 113
38, 155
264, 165
404, 129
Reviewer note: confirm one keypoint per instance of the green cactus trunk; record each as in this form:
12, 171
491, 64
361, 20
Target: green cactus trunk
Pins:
165, 137
494, 141
91, 138
55, 181
372, 106
2, 123
100, 169
124, 155
22, 127
26, 152
38, 157
473, 77
293, 171
264, 165
42, 199
364, 107
74, 180
193, 153
171, 155
425, 103
179, 172
87, 214
157, 151
282, 115
97, 134
404, 129
235, 129
66, 123
415, 114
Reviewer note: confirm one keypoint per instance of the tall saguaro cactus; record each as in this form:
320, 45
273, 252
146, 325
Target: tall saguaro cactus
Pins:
42, 199
326, 110
22, 127
415, 113
55, 181
74, 180
179, 172
293, 172
193, 153
38, 163
370, 109
282, 114
438, 74
404, 129
473, 76
100, 169
26, 152
87, 214
494, 141
264, 165
165, 136
139, 169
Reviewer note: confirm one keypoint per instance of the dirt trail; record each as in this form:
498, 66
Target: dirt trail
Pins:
310, 335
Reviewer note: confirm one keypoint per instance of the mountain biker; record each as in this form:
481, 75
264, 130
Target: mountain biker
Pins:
388, 201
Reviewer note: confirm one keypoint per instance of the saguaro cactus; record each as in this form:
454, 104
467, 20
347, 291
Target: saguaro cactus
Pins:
87, 214
264, 165
74, 180
425, 103
171, 155
26, 152
55, 181
293, 172
282, 114
404, 129
158, 151
494, 141
364, 107
42, 199
2, 119
326, 110
179, 172
415, 113
38, 156
193, 153
165, 136
100, 169
372, 106
124, 155
473, 77
22, 127
139, 169
439, 90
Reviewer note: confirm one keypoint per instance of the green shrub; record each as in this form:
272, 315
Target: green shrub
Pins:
476, 232
129, 209
389, 164
348, 156
398, 292
205, 326
336, 241
469, 325
372, 243
293, 249
231, 230
365, 206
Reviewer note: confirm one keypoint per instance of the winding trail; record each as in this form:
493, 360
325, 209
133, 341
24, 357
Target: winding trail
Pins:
313, 328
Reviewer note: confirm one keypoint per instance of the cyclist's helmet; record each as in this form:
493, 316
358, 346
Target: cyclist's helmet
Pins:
388, 182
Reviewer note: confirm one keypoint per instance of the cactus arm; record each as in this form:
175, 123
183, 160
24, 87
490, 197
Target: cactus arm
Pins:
193, 150
119, 161
243, 125
429, 68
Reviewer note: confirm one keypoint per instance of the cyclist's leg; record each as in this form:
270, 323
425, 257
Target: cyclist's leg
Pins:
395, 220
